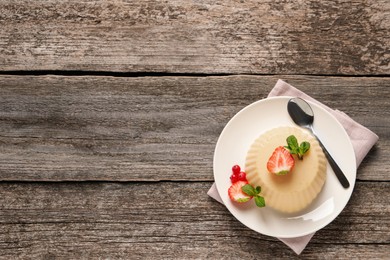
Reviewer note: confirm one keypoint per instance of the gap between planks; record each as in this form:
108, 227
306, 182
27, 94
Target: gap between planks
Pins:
77, 73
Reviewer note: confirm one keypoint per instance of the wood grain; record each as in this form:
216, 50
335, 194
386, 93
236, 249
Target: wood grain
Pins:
170, 219
233, 37
100, 167
154, 128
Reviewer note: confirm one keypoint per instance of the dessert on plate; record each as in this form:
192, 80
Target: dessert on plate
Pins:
289, 189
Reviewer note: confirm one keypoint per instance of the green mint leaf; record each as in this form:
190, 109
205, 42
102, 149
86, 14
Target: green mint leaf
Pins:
258, 189
260, 202
295, 148
304, 147
248, 189
292, 142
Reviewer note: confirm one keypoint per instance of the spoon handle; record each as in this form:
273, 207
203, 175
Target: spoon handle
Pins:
339, 173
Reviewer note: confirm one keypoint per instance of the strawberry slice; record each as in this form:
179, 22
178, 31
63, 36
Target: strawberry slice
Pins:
236, 194
281, 161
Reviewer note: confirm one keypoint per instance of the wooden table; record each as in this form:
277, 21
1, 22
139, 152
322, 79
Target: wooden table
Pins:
110, 112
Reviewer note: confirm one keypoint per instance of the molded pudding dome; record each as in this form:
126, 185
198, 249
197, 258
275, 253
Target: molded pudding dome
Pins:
297, 189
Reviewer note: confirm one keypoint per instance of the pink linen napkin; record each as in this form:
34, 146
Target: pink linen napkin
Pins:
362, 140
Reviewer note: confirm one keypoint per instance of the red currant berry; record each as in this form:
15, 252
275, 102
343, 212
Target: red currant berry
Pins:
242, 176
234, 178
236, 169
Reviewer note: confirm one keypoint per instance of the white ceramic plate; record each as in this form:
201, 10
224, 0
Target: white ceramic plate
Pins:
231, 149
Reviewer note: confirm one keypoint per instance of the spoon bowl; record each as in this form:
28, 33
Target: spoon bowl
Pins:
300, 112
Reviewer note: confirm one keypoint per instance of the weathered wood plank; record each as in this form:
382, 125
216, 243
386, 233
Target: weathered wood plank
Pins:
255, 37
171, 220
154, 128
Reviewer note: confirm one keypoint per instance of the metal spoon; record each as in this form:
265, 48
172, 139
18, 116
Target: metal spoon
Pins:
302, 114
